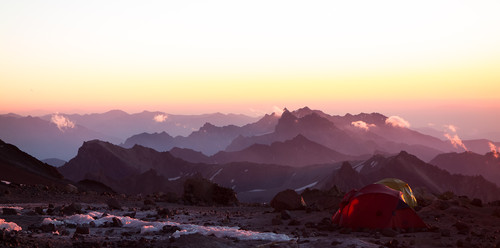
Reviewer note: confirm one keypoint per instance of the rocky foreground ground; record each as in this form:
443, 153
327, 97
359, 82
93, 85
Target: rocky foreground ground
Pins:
51, 218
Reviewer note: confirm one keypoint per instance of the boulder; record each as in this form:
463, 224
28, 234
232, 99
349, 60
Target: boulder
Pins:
70, 188
113, 204
117, 222
200, 191
149, 202
39, 211
163, 212
73, 208
476, 202
48, 228
82, 230
9, 211
322, 199
288, 200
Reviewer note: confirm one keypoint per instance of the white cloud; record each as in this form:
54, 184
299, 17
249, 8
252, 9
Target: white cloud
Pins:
494, 149
453, 137
62, 122
160, 117
397, 121
362, 125
257, 112
277, 110
455, 141
452, 128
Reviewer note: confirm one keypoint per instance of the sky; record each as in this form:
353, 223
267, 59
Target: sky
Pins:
431, 62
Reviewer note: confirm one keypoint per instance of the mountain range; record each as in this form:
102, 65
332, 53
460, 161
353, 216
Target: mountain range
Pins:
352, 135
470, 163
255, 157
144, 170
209, 139
44, 139
296, 152
58, 136
118, 123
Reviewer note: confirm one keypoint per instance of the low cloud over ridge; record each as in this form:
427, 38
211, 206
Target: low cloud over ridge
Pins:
493, 149
397, 121
62, 122
160, 117
362, 125
453, 137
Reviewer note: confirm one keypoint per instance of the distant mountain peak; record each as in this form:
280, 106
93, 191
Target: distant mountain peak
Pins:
287, 116
207, 126
300, 137
299, 113
116, 112
405, 156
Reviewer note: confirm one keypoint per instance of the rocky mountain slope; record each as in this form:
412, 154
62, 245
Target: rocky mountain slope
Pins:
469, 163
144, 170
19, 167
415, 172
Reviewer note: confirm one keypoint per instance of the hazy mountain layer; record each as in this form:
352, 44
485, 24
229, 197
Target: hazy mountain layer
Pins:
209, 139
60, 135
469, 163
122, 125
45, 139
296, 152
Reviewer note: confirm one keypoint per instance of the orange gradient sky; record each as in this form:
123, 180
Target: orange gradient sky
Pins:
416, 60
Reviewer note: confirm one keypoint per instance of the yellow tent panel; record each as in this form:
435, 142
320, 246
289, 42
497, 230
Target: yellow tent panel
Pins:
402, 186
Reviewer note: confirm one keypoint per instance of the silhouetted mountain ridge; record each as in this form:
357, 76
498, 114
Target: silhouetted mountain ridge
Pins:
416, 173
298, 151
20, 167
470, 163
209, 139
144, 170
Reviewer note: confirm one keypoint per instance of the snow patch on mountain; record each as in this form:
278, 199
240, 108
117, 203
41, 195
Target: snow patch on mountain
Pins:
307, 186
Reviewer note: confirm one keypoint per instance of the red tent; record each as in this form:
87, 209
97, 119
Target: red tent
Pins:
376, 206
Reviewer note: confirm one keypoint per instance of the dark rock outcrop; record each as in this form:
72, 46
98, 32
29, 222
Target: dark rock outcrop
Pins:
288, 200
20, 167
200, 191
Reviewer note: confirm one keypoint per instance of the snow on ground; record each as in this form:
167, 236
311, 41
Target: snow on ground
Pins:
307, 186
9, 226
230, 232
155, 226
47, 221
13, 207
